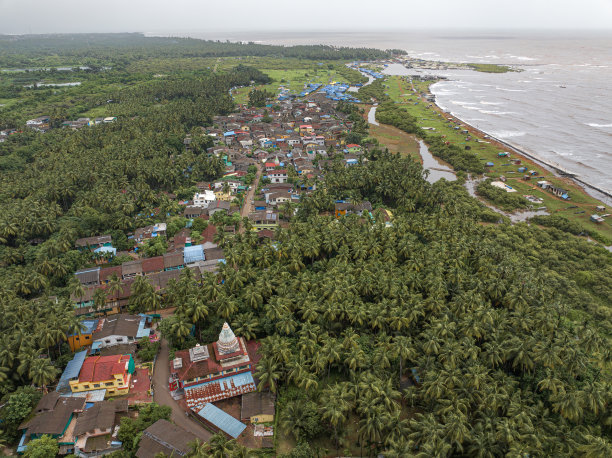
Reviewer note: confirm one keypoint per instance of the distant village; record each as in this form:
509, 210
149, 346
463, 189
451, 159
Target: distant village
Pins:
213, 383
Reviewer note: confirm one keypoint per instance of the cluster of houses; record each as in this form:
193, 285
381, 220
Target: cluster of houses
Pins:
43, 124
96, 389
292, 149
158, 270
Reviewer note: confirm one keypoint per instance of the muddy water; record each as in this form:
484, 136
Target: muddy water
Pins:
437, 170
516, 217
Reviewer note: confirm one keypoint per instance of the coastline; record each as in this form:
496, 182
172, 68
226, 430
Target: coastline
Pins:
595, 192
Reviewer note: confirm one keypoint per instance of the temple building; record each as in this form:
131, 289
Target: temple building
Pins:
220, 370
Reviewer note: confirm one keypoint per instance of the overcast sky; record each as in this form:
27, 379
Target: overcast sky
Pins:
46, 16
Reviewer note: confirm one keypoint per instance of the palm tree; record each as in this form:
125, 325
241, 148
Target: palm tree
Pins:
268, 373
42, 372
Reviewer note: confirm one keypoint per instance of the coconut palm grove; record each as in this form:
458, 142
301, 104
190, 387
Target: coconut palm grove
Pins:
428, 326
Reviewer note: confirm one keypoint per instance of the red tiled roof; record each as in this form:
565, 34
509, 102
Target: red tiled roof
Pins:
107, 272
212, 392
191, 370
102, 368
208, 234
155, 264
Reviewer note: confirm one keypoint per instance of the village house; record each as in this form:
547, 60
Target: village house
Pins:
209, 373
54, 416
91, 243
220, 421
264, 220
193, 211
202, 199
112, 373
163, 437
144, 233
257, 407
346, 208
95, 427
278, 176
83, 338
120, 329
218, 206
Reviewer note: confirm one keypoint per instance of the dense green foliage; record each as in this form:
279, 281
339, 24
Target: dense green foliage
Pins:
16, 408
490, 68
258, 98
102, 49
505, 200
351, 75
439, 331
131, 429
43, 447
566, 225
483, 313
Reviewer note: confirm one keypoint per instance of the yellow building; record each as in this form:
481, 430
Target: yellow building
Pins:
112, 373
83, 338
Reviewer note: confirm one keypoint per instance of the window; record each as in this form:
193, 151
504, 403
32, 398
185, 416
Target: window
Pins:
109, 383
96, 385
86, 387
107, 341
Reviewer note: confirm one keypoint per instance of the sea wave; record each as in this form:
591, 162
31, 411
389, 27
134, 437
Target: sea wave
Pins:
484, 102
508, 133
594, 124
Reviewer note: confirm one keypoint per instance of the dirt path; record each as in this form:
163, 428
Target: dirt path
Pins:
162, 395
248, 198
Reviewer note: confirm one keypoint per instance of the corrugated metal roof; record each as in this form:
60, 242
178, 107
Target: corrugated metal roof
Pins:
193, 254
222, 420
73, 368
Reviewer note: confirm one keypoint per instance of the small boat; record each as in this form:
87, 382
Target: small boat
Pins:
562, 87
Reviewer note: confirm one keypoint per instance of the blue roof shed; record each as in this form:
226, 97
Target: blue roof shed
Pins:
193, 254
222, 420
73, 368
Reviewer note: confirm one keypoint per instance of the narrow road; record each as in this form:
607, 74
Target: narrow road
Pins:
247, 207
162, 395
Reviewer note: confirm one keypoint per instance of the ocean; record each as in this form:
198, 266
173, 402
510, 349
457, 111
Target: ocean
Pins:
557, 108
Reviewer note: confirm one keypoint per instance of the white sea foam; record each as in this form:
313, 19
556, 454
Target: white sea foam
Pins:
508, 133
484, 102
594, 124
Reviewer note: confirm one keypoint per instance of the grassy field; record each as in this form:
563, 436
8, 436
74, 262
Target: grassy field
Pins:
293, 76
429, 115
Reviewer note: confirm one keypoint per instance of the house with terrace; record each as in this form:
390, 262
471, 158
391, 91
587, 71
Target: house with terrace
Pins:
112, 373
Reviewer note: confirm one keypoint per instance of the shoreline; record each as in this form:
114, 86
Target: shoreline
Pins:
594, 191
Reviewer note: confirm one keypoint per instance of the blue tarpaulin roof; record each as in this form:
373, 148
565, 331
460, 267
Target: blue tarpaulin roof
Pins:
142, 331
222, 420
106, 249
229, 134
72, 370
89, 326
193, 254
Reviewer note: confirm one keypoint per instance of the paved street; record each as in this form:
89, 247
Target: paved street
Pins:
162, 395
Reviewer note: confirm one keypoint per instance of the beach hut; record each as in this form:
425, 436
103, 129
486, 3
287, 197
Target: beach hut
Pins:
522, 169
489, 164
